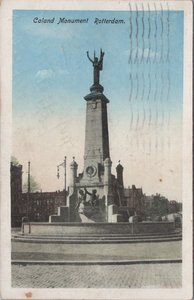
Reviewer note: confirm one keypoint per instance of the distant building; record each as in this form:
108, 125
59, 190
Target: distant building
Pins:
37, 206
159, 205
40, 205
180, 206
134, 200
16, 194
174, 206
148, 204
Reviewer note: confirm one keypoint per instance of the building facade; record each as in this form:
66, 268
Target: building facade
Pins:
16, 194
39, 206
134, 200
36, 206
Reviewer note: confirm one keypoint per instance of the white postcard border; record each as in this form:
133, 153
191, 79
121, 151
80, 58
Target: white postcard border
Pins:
6, 120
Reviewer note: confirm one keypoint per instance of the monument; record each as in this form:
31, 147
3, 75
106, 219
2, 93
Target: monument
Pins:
94, 194
96, 207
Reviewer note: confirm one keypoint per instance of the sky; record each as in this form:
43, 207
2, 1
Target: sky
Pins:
142, 77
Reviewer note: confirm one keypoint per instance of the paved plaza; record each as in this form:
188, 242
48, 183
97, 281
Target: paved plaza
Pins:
134, 251
112, 276
115, 275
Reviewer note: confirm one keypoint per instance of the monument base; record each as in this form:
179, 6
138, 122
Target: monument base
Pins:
86, 212
71, 228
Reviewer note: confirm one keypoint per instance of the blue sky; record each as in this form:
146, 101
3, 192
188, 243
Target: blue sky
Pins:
142, 77
51, 57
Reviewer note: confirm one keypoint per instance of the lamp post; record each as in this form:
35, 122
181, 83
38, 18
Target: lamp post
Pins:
29, 189
63, 164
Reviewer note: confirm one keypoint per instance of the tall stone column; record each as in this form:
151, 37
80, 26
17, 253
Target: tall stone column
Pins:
107, 185
73, 173
120, 185
119, 170
72, 197
96, 130
107, 172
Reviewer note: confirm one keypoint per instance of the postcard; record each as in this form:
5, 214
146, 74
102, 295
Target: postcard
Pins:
96, 149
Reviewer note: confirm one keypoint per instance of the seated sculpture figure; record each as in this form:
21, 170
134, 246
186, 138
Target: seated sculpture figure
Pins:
83, 205
81, 202
94, 198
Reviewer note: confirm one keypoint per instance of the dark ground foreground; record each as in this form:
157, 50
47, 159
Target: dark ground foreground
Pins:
112, 276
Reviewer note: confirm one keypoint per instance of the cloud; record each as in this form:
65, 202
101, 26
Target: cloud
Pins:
141, 53
46, 32
49, 73
45, 74
148, 52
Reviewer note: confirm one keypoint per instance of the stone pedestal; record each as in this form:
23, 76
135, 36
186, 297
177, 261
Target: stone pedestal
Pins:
62, 215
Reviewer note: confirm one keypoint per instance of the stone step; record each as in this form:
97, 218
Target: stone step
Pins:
101, 237
95, 241
96, 262
89, 240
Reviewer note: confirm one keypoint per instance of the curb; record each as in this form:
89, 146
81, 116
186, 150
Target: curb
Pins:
108, 262
95, 241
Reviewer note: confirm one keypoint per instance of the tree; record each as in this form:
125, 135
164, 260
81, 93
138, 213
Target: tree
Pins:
160, 205
34, 186
14, 161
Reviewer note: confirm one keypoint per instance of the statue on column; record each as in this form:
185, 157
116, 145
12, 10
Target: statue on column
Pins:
98, 65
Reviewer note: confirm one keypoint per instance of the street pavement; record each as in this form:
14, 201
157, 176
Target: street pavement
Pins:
152, 275
167, 275
39, 251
